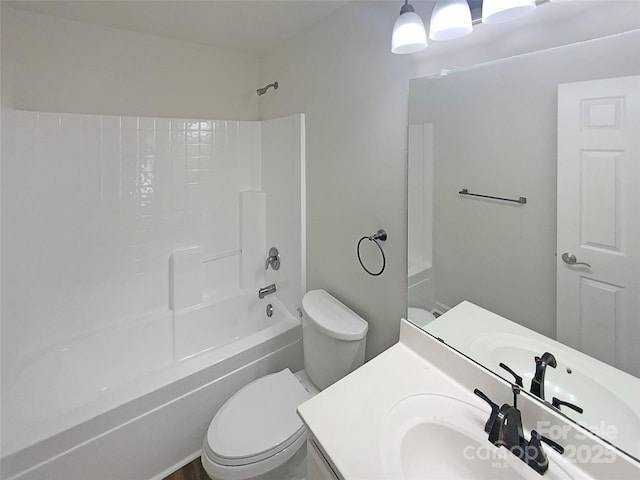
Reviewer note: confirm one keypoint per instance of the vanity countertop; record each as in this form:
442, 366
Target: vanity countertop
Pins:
348, 420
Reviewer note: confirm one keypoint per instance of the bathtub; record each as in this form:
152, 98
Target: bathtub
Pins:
134, 402
421, 286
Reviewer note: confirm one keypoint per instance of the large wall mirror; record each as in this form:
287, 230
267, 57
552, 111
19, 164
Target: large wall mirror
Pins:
555, 136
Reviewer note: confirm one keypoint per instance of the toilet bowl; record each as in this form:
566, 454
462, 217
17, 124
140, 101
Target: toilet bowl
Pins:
257, 433
419, 316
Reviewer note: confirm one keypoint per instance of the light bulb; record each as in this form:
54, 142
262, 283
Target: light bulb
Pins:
501, 11
450, 19
409, 35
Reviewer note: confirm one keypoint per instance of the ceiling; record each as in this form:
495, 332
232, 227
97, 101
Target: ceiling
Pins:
254, 26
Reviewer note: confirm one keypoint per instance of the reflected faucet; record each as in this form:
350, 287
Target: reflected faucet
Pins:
556, 402
537, 383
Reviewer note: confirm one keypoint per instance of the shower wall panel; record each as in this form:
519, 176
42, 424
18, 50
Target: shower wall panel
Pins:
93, 206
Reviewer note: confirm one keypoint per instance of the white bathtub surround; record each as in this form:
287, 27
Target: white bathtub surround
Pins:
236, 315
253, 237
98, 205
284, 181
421, 282
420, 199
421, 287
186, 278
94, 206
112, 223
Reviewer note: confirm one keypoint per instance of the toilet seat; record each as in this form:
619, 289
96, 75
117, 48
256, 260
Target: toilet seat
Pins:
420, 316
258, 422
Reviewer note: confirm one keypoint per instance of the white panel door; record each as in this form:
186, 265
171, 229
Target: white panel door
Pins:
599, 219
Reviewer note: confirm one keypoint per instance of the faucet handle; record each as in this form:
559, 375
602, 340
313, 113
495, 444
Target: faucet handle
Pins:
535, 456
536, 438
556, 402
273, 259
494, 410
517, 377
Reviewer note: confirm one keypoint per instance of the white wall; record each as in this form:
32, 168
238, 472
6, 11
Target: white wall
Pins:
56, 65
354, 93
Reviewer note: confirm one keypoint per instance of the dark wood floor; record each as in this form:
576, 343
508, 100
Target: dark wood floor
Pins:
191, 471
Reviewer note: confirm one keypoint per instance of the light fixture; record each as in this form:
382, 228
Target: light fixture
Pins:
500, 11
409, 35
450, 19
453, 19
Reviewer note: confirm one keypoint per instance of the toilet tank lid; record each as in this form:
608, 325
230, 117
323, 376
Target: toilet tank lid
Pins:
332, 317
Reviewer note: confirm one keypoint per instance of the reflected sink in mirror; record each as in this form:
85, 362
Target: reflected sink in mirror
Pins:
610, 398
427, 436
577, 379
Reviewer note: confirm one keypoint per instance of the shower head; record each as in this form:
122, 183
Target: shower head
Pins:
263, 90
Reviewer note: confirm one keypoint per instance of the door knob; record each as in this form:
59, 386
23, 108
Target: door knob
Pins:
571, 260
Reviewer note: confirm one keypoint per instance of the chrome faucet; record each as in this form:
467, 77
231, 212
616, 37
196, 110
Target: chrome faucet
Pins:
268, 290
273, 259
537, 383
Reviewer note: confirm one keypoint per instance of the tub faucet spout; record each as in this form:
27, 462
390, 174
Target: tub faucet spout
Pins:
268, 290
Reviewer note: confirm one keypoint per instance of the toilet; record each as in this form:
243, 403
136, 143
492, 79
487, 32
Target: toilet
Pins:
257, 433
420, 317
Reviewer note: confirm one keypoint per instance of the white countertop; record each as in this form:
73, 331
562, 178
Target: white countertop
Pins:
349, 429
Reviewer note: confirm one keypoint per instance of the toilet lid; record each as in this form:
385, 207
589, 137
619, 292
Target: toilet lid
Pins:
257, 422
332, 317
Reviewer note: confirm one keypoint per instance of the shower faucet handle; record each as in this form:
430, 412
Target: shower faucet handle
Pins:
273, 259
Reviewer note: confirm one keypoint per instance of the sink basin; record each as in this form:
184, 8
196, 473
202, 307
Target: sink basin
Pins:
429, 436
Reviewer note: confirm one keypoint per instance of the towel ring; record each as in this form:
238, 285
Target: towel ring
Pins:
379, 235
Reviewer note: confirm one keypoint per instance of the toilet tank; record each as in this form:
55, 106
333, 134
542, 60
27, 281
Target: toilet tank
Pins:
333, 336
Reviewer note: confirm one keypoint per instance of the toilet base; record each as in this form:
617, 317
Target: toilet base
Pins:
293, 469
